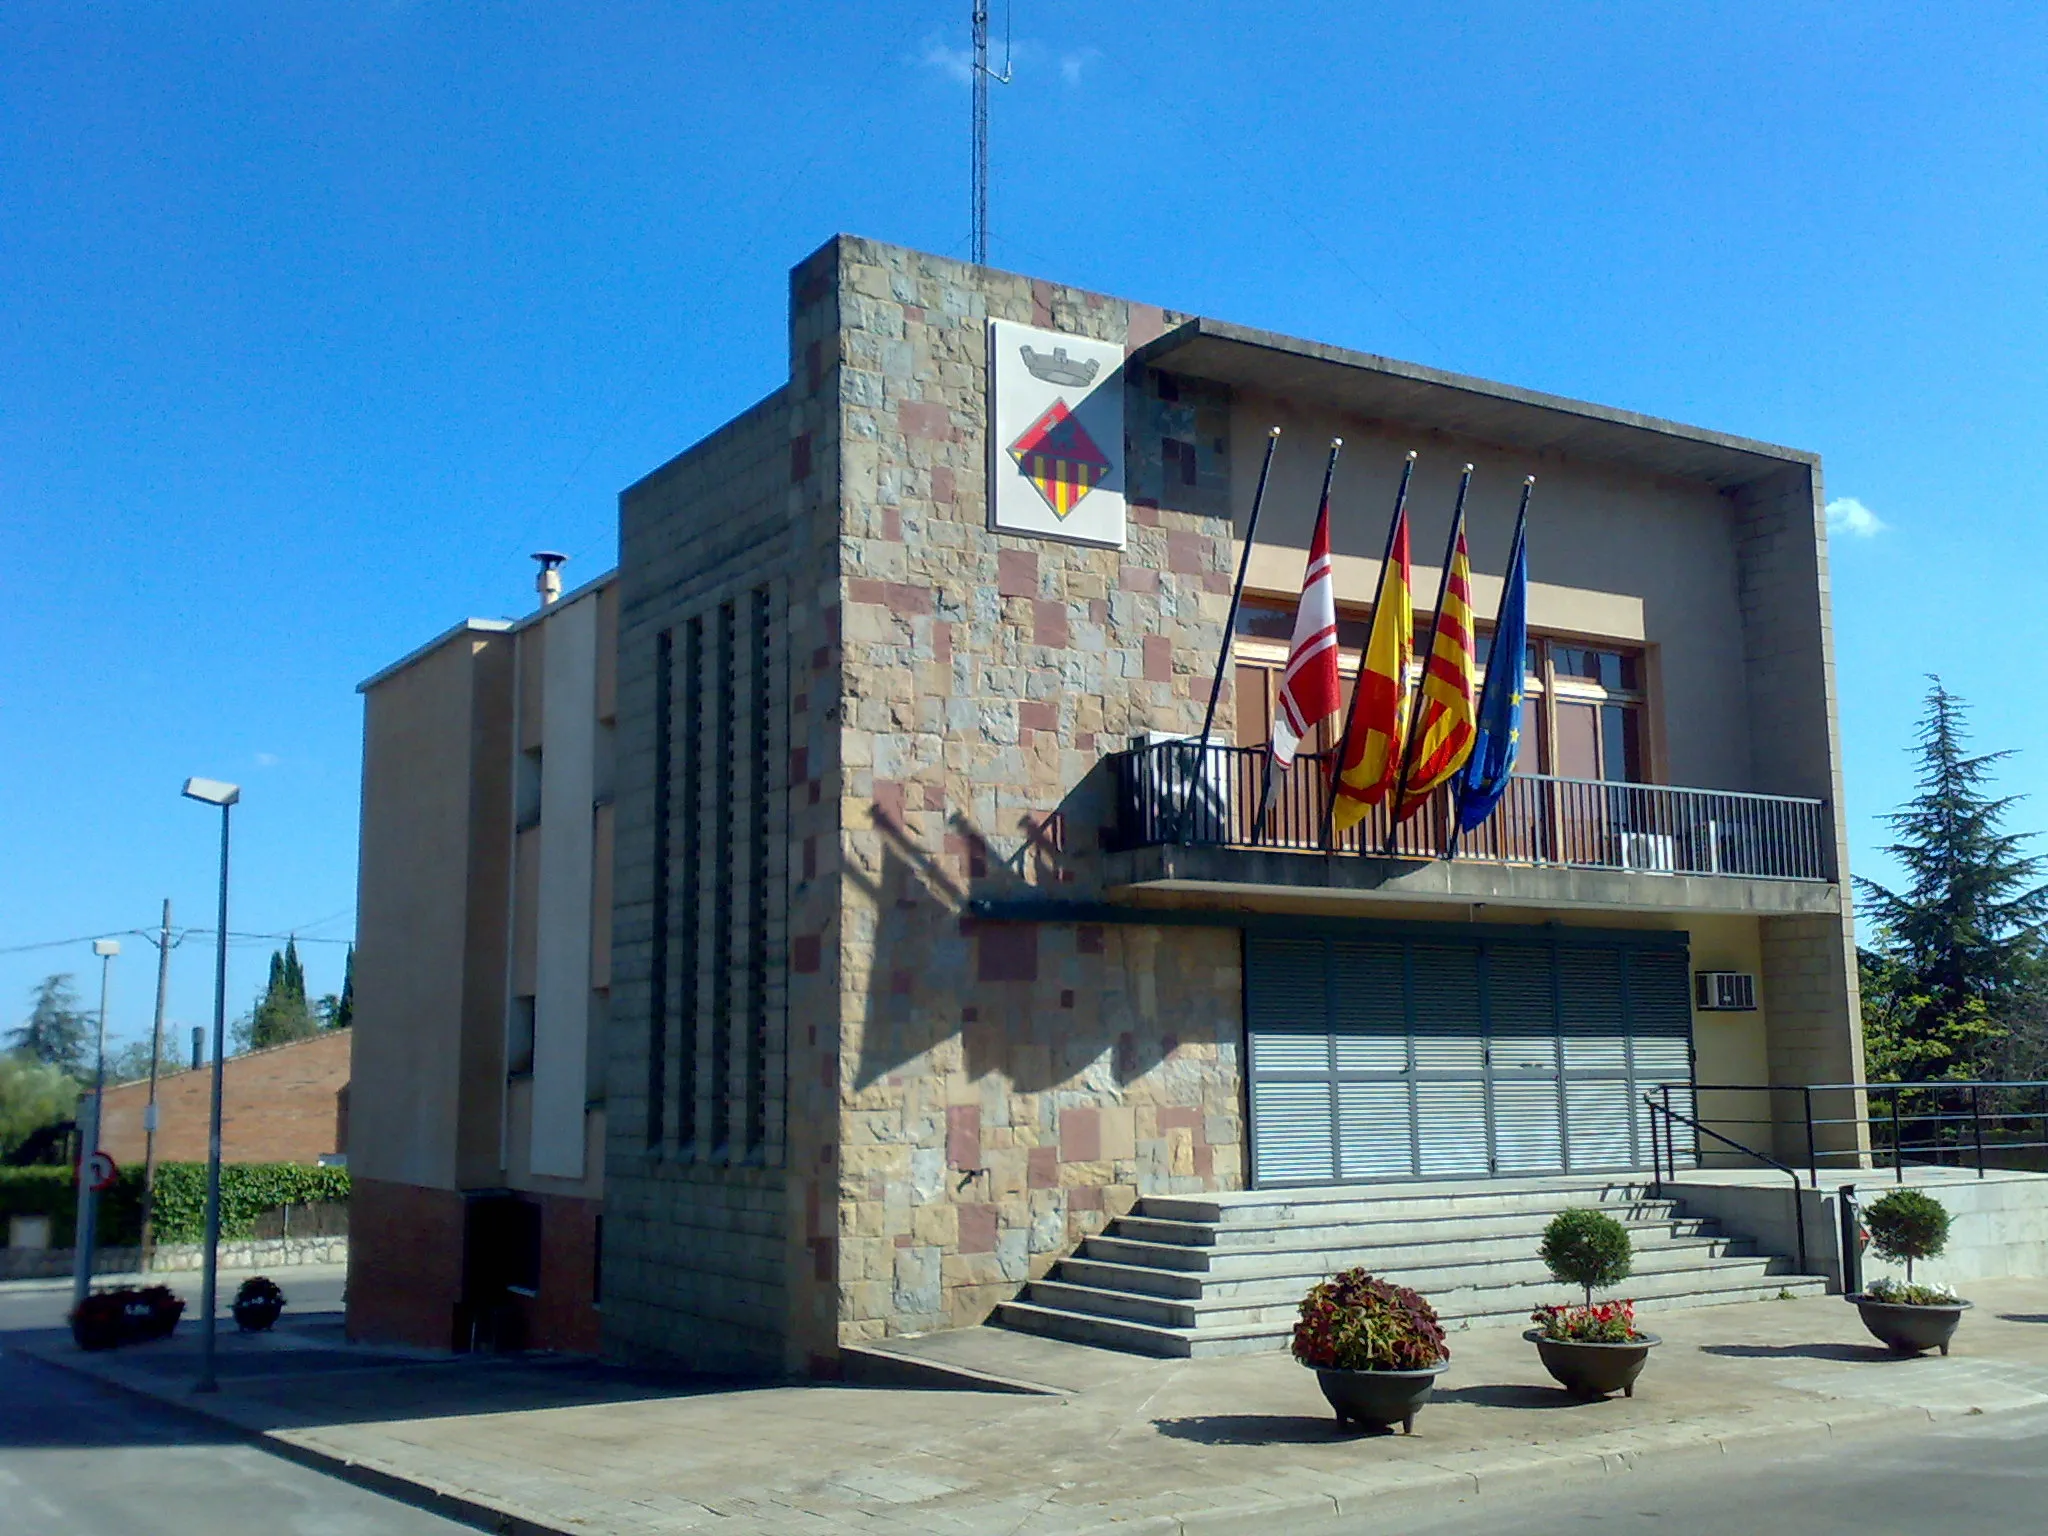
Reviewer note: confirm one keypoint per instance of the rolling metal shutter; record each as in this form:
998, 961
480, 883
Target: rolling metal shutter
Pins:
1391, 1057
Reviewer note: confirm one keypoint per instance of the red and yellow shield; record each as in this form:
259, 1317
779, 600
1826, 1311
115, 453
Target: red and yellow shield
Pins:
1058, 456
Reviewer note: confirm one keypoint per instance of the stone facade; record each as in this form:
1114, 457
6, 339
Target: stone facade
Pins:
1006, 1088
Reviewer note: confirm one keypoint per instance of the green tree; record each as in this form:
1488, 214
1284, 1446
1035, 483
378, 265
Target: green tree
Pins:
281, 1013
1957, 952
33, 1094
338, 1011
58, 1032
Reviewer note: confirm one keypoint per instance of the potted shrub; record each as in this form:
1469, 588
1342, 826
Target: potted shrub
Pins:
1376, 1348
258, 1302
1908, 1318
125, 1316
1590, 1350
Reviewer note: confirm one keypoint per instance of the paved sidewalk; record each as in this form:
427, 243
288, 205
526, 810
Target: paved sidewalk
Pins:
1139, 1447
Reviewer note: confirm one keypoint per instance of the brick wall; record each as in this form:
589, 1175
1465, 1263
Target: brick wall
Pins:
286, 1104
405, 1264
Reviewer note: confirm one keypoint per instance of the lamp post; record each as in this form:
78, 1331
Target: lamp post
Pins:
87, 1224
214, 792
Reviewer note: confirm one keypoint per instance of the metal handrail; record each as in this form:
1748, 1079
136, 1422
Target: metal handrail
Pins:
1657, 1162
1197, 793
1973, 1111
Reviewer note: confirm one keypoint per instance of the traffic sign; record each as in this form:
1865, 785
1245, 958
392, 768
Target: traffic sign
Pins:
104, 1171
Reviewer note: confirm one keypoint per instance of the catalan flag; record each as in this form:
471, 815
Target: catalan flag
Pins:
1444, 728
1371, 757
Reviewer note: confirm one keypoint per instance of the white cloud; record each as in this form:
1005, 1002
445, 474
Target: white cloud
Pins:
957, 62
267, 759
1071, 64
1848, 515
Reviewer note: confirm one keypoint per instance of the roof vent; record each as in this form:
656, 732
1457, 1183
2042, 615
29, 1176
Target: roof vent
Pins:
549, 582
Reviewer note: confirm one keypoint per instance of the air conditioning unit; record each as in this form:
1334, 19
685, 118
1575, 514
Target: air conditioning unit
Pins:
1649, 851
1723, 992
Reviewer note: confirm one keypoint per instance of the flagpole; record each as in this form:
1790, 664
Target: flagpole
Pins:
1443, 587
1266, 790
1493, 651
1357, 683
1244, 566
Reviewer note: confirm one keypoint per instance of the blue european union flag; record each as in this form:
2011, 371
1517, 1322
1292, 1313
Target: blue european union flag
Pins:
1484, 778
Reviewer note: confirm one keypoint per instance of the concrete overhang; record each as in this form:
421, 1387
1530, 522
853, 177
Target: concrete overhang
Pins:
1429, 399
1240, 874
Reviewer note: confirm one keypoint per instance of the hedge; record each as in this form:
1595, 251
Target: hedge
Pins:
247, 1191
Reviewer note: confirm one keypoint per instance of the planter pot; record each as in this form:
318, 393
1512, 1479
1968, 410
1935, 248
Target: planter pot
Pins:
257, 1316
1594, 1370
1910, 1330
1378, 1399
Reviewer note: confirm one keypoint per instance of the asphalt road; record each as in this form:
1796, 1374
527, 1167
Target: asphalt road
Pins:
81, 1459
1962, 1477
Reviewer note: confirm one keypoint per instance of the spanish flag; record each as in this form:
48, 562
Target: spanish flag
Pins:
1372, 740
1445, 729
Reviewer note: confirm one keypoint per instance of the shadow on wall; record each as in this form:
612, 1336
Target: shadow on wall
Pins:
1041, 1002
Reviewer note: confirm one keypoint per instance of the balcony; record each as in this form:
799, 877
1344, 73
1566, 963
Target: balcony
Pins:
1187, 817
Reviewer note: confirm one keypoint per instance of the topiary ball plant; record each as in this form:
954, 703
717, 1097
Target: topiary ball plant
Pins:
1588, 1249
1907, 1224
1354, 1321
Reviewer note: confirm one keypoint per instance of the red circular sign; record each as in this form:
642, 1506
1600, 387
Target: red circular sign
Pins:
104, 1171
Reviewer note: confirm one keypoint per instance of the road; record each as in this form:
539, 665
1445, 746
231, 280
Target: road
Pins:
81, 1459
1963, 1477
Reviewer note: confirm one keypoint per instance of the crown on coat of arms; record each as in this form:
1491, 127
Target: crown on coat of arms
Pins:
1060, 368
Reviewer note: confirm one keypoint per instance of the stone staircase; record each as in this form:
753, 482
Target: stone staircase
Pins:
1223, 1274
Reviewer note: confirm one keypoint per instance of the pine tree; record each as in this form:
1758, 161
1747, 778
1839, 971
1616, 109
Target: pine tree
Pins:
1958, 949
58, 1031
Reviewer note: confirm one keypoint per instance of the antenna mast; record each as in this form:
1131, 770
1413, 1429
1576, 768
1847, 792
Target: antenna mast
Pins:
978, 235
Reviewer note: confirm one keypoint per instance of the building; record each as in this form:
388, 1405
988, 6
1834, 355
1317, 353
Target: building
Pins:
283, 1104
933, 950
484, 964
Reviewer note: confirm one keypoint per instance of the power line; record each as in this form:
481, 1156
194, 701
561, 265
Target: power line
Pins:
181, 935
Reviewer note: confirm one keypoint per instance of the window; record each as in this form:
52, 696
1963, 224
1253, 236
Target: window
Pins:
1582, 704
519, 1039
526, 789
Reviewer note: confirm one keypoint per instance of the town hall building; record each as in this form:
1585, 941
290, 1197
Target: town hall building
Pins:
937, 960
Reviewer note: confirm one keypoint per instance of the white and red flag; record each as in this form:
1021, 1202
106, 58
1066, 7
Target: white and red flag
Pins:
1309, 690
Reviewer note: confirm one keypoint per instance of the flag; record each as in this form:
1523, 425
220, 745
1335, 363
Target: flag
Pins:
1444, 729
1371, 756
1485, 778
1309, 691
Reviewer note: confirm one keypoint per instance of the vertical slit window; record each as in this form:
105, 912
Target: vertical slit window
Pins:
722, 894
757, 881
688, 873
657, 971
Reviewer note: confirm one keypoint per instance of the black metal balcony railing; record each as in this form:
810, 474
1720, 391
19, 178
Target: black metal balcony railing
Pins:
1185, 792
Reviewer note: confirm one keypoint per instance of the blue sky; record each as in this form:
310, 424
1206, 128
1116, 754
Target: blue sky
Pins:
319, 318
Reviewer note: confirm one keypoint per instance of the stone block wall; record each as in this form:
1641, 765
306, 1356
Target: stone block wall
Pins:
1007, 1088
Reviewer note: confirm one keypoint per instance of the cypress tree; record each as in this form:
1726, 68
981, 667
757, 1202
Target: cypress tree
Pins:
1958, 946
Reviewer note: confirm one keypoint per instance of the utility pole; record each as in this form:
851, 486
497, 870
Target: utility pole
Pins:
978, 234
156, 1051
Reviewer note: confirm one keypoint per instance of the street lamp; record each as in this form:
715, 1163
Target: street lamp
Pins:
84, 1238
214, 792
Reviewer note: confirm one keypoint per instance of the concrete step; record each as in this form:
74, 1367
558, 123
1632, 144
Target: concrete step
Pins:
1404, 1243
1384, 1202
1364, 1227
1246, 1274
1469, 1290
1214, 1338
